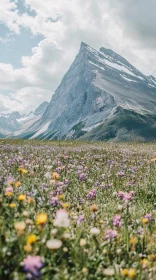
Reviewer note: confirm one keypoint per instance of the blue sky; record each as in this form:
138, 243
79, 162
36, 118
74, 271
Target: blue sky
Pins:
16, 45
39, 40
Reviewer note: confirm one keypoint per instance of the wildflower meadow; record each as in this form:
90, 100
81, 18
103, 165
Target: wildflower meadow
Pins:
77, 210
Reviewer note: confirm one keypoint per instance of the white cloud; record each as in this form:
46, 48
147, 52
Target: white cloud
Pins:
36, 81
64, 24
9, 15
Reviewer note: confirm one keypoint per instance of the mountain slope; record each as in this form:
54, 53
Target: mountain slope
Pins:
97, 84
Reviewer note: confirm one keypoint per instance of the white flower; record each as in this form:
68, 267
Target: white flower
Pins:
65, 249
49, 167
25, 213
47, 175
109, 271
120, 207
62, 219
83, 242
95, 231
54, 231
54, 244
67, 235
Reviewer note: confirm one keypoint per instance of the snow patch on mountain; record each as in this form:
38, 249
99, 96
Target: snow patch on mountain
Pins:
128, 79
42, 130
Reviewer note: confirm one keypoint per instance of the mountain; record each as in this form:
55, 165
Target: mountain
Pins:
9, 123
101, 97
13, 123
41, 109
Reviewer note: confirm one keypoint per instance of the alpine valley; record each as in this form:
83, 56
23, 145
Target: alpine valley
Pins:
101, 97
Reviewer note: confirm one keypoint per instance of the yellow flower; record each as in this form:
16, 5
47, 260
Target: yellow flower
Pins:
24, 171
133, 240
20, 226
56, 176
9, 194
145, 263
153, 160
22, 197
145, 221
31, 200
42, 218
20, 169
131, 272
66, 205
61, 196
11, 183
94, 208
17, 184
152, 257
28, 248
32, 238
12, 205
124, 272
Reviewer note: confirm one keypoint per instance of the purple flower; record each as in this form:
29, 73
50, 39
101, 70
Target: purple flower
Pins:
121, 173
59, 190
54, 201
82, 176
140, 230
66, 182
96, 184
33, 265
111, 234
80, 219
127, 197
117, 221
106, 186
86, 169
43, 186
149, 217
58, 170
81, 200
92, 194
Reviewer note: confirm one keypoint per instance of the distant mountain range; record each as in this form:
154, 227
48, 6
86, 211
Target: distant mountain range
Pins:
14, 124
101, 97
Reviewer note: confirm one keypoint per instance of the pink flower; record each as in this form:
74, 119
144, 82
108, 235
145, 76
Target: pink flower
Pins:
33, 265
9, 189
117, 221
111, 234
127, 197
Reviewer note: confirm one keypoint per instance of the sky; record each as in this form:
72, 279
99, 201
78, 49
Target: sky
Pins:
40, 39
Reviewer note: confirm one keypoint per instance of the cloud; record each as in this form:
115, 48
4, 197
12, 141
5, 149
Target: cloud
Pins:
128, 27
9, 15
36, 81
137, 19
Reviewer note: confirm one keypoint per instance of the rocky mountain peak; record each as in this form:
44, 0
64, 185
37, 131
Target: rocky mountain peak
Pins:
100, 92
